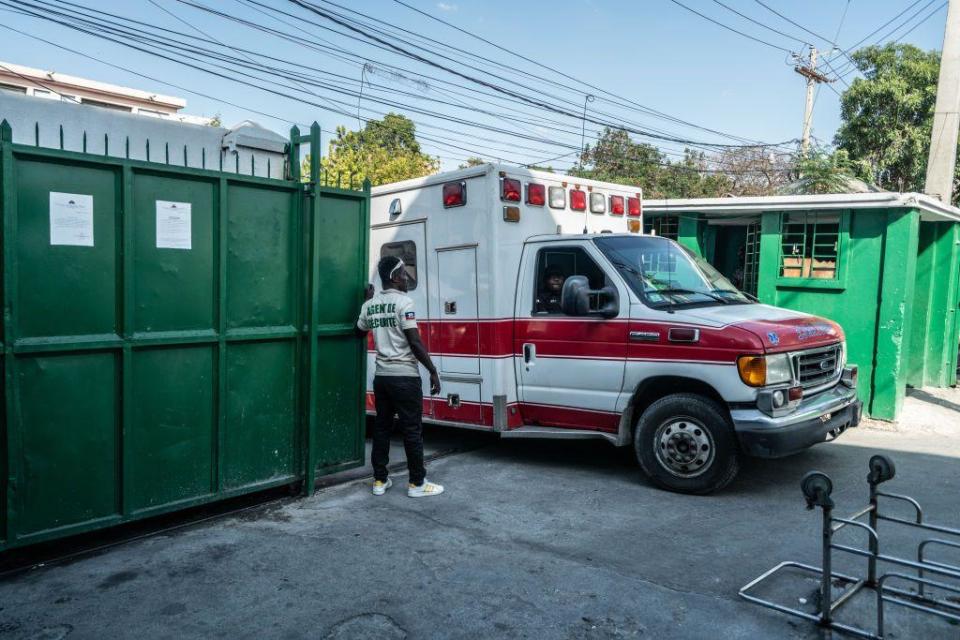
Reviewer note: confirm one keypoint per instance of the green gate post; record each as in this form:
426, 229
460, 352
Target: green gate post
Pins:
313, 288
8, 469
899, 268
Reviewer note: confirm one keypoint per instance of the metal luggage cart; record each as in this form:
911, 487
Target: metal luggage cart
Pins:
817, 487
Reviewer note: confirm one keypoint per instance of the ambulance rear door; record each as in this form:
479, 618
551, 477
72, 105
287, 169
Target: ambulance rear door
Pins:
407, 241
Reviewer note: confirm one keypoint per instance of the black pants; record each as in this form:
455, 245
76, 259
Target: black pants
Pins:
403, 396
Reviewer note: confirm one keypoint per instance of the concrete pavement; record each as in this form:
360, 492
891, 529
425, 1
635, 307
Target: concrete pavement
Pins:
532, 540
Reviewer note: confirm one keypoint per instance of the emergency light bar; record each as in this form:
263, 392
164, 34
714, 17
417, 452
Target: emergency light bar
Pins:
510, 189
454, 194
578, 200
598, 203
558, 198
616, 205
536, 194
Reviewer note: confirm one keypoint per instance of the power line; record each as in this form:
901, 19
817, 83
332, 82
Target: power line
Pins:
729, 28
848, 69
501, 89
759, 23
513, 52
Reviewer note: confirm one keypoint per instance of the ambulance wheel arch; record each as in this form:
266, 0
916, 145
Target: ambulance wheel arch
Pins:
684, 441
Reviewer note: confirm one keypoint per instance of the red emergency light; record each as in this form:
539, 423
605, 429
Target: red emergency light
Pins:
616, 205
454, 194
536, 194
578, 200
510, 189
633, 207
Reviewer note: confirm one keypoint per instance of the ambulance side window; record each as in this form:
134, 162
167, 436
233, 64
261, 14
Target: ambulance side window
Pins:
554, 266
406, 251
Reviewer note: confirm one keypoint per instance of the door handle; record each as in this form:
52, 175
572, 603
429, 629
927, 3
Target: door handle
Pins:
529, 354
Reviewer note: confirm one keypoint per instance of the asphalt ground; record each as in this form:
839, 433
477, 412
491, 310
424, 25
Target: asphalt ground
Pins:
533, 539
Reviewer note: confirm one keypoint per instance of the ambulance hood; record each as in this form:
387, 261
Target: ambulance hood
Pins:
778, 329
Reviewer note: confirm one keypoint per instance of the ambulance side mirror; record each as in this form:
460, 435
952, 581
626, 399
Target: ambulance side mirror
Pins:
578, 299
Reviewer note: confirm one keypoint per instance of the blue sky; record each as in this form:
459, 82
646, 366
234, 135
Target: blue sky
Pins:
649, 52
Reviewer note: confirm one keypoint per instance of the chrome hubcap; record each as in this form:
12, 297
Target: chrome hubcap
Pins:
684, 447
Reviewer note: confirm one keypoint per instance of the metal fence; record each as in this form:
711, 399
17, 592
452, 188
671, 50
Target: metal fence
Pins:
171, 335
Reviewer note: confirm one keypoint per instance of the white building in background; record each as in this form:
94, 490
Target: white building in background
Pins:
49, 109
64, 88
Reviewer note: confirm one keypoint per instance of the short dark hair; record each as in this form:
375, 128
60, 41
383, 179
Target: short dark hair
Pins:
553, 271
386, 265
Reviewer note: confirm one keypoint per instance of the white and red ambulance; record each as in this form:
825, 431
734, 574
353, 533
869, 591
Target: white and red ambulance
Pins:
643, 344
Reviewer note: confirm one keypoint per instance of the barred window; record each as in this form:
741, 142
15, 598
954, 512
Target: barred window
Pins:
663, 226
810, 244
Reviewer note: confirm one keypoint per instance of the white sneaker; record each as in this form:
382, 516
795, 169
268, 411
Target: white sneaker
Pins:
426, 490
380, 488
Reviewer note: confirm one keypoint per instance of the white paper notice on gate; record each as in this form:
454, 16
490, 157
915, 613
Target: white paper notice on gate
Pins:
71, 219
174, 225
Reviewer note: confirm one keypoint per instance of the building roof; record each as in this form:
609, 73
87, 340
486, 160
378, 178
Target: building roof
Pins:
39, 76
930, 208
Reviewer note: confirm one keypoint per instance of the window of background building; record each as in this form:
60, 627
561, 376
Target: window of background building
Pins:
810, 244
664, 226
107, 105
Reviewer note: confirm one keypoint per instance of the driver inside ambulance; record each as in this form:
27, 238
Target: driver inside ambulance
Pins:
548, 298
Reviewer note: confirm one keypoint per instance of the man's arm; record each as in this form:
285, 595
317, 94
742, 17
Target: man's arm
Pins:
420, 352
360, 329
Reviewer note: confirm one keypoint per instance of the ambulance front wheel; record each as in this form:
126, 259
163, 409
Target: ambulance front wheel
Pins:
685, 443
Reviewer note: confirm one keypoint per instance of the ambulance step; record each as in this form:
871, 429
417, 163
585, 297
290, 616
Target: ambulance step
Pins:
558, 433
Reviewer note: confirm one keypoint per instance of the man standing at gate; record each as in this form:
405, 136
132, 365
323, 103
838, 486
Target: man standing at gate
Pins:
396, 384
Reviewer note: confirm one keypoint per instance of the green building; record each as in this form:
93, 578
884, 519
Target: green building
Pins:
886, 266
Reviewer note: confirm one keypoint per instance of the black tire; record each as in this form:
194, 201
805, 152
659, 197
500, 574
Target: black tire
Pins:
699, 453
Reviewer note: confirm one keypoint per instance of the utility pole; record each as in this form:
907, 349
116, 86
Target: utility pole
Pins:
946, 116
808, 69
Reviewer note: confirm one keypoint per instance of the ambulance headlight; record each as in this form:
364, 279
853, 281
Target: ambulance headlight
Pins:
762, 371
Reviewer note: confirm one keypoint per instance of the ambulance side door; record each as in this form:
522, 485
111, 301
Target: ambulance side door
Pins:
569, 369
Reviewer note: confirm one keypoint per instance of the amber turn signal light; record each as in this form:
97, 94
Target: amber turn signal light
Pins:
753, 370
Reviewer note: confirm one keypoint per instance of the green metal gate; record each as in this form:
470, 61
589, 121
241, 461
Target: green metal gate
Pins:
158, 356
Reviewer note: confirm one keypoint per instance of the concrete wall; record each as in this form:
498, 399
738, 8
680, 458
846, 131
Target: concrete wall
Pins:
38, 121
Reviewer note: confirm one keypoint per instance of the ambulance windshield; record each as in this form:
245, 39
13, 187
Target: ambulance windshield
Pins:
664, 274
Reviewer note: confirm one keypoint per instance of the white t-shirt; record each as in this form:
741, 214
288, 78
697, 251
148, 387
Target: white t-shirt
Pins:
387, 314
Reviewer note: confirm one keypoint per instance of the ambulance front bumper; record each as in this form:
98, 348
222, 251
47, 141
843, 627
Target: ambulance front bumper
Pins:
825, 415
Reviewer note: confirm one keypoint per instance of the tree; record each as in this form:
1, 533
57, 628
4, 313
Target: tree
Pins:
888, 115
821, 171
617, 158
754, 171
383, 151
472, 161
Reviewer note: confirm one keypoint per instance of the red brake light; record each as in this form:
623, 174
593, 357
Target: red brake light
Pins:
578, 200
510, 189
536, 194
454, 194
633, 207
616, 205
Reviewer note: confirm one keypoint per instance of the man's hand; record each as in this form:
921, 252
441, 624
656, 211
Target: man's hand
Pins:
368, 292
434, 383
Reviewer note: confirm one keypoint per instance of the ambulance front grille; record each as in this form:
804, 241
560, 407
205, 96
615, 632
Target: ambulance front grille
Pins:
817, 367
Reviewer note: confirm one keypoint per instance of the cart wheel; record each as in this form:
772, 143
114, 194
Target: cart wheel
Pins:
815, 483
881, 469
